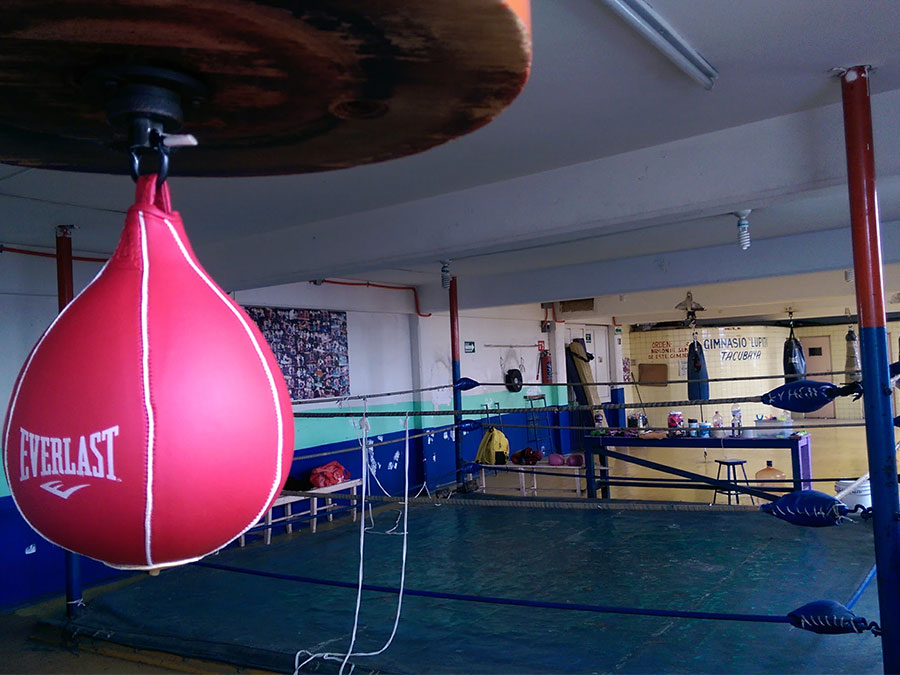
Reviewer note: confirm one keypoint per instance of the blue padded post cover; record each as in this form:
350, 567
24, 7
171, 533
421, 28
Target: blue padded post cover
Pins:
465, 383
827, 617
810, 508
807, 395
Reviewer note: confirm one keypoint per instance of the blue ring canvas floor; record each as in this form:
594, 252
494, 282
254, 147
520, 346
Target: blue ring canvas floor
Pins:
721, 562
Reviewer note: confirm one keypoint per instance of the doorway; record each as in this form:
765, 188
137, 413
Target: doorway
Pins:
818, 360
596, 342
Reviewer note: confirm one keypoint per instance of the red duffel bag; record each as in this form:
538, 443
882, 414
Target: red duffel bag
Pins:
328, 474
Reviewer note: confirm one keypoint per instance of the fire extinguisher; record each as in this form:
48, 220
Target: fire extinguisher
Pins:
546, 367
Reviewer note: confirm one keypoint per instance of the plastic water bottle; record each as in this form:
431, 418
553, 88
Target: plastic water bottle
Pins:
736, 422
769, 473
717, 424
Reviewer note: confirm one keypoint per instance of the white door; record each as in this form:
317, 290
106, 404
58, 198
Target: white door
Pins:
596, 342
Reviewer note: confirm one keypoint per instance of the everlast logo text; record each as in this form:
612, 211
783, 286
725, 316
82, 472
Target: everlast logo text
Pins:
90, 456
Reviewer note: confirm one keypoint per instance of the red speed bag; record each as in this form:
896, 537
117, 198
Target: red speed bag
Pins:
150, 425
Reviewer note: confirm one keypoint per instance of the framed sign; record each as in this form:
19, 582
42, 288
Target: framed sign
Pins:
649, 373
310, 346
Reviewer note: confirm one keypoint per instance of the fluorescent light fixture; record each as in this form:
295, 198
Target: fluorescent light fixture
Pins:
645, 20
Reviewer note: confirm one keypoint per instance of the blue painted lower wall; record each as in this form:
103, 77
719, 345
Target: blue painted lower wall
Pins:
31, 568
432, 455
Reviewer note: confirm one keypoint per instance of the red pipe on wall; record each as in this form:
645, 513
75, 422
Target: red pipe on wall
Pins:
44, 254
373, 285
556, 320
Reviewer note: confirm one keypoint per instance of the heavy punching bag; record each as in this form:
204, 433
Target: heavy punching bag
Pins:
794, 360
150, 425
697, 375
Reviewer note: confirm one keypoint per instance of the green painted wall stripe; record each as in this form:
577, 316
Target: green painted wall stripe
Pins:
310, 432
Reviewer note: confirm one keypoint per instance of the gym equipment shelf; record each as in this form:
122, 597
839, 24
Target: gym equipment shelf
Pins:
800, 447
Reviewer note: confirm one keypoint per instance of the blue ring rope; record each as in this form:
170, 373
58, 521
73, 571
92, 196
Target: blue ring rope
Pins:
857, 594
718, 616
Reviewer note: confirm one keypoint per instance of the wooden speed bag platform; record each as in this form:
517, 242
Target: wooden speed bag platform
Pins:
270, 86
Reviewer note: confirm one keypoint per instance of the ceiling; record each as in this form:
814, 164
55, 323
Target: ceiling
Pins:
609, 154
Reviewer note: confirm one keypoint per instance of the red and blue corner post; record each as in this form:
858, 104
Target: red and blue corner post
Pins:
455, 368
65, 293
867, 269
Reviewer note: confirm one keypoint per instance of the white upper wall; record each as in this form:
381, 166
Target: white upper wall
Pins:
28, 305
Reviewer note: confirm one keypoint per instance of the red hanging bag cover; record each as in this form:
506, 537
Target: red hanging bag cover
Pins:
150, 425
328, 474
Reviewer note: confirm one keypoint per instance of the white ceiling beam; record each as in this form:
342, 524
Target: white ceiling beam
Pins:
742, 167
778, 256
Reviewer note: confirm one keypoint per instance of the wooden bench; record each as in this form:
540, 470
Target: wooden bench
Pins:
313, 511
577, 473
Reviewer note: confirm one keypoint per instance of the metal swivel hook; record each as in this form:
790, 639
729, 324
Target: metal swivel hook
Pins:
163, 170
146, 138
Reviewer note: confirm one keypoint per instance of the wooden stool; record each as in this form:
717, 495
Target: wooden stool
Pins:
731, 476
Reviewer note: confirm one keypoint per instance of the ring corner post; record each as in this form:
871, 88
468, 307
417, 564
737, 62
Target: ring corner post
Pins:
65, 293
455, 375
867, 266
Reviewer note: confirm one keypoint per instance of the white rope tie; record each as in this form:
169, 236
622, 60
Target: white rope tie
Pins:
405, 540
364, 427
329, 656
344, 658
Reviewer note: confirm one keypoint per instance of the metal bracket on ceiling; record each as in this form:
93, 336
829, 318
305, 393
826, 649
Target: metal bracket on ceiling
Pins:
147, 105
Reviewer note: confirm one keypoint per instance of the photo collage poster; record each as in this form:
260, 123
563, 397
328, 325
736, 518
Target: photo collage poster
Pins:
310, 345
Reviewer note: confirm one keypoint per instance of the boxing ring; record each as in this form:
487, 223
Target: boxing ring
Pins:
497, 584
574, 560
485, 585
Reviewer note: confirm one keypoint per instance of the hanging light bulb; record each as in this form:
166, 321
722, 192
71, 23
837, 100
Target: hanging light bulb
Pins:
743, 227
445, 274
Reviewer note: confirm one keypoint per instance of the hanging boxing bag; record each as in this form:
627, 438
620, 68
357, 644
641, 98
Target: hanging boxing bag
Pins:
697, 375
150, 425
852, 364
794, 360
